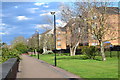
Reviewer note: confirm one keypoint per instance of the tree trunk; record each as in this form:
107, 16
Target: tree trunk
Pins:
73, 49
44, 49
35, 52
102, 51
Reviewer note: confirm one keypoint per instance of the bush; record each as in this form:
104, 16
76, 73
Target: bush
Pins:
40, 51
48, 52
21, 47
30, 49
89, 51
9, 53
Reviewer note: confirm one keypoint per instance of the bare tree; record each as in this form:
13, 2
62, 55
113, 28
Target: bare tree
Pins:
96, 15
47, 41
75, 28
98, 18
46, 37
19, 39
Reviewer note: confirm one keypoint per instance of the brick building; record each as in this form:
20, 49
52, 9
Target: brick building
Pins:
60, 37
112, 35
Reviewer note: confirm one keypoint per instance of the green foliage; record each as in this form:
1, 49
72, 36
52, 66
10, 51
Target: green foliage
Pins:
40, 51
21, 47
32, 55
64, 54
30, 49
89, 51
9, 53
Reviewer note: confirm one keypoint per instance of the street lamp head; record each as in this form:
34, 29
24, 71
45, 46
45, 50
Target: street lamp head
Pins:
53, 13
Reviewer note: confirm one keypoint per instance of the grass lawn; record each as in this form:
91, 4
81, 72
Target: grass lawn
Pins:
85, 68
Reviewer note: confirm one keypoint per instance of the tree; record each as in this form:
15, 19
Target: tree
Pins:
18, 39
76, 29
47, 41
2, 44
21, 47
98, 18
95, 14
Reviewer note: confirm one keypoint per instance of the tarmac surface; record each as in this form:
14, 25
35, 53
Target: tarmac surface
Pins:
30, 67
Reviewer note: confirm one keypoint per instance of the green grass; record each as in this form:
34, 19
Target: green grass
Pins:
85, 68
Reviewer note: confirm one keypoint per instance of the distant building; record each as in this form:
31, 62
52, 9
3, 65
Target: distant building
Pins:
60, 37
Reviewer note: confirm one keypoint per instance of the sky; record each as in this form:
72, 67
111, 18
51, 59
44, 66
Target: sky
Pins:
24, 18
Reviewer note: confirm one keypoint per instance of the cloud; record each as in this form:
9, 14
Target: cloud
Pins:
15, 6
10, 30
43, 10
39, 4
60, 23
44, 26
32, 10
6, 29
45, 14
3, 33
2, 24
46, 6
22, 18
2, 15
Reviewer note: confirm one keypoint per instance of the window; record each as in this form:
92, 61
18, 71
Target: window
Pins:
58, 39
59, 44
58, 33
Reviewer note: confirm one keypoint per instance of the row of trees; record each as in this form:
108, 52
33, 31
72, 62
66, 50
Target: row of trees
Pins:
46, 42
90, 18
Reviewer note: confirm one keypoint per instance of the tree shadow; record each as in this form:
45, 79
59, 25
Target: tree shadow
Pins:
69, 58
77, 58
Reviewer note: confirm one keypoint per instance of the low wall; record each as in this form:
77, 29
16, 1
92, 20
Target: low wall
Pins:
9, 69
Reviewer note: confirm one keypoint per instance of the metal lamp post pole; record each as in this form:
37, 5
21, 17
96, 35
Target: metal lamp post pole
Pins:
38, 43
53, 13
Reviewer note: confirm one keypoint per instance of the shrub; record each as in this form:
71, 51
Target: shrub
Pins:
89, 51
64, 54
40, 51
30, 49
9, 53
21, 47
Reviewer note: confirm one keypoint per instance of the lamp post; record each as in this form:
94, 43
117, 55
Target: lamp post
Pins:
37, 32
53, 13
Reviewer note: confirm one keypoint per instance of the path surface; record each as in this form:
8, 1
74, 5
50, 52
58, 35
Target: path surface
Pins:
30, 67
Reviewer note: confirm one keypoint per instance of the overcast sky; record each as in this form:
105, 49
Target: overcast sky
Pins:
24, 18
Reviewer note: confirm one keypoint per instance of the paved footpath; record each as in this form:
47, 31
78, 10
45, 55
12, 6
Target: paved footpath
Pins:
30, 67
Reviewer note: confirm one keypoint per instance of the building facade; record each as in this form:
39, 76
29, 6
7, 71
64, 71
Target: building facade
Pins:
60, 38
113, 33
